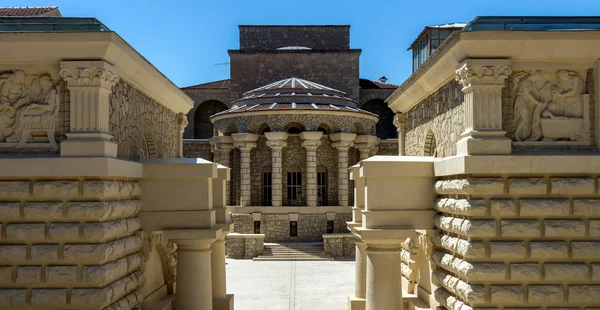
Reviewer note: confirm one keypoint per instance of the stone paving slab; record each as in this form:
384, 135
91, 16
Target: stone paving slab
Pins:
290, 285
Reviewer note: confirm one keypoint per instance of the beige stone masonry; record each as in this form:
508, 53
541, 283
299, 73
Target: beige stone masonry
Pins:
277, 141
311, 141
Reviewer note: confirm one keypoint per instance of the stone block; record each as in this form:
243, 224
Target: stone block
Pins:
596, 271
29, 275
61, 189
564, 228
544, 207
14, 189
586, 249
44, 252
505, 249
503, 207
95, 298
101, 252
111, 229
546, 294
102, 210
64, 231
10, 211
5, 275
527, 186
43, 211
104, 274
594, 228
584, 293
520, 228
61, 275
548, 250
586, 207
526, 272
572, 186
13, 298
506, 294
110, 189
461, 206
565, 271
29, 232
471, 186
47, 298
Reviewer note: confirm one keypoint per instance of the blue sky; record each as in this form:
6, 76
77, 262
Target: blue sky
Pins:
185, 38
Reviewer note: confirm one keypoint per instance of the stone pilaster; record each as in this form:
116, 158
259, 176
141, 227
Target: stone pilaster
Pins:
383, 285
311, 141
365, 144
482, 81
182, 122
343, 142
245, 142
225, 145
400, 123
277, 141
90, 85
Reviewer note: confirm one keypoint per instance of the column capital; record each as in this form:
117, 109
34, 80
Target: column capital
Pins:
342, 140
276, 135
400, 121
311, 135
483, 72
365, 141
244, 145
343, 145
276, 145
89, 73
182, 121
224, 143
311, 145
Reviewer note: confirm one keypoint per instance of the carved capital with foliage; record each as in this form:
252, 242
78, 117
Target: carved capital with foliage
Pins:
244, 146
399, 121
343, 145
311, 145
483, 72
277, 145
89, 76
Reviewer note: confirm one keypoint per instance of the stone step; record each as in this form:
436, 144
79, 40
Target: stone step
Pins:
279, 258
293, 251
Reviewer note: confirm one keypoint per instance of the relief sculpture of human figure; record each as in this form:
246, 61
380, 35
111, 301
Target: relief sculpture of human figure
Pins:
14, 93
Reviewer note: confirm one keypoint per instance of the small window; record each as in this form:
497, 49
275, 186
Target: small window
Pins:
267, 187
257, 227
322, 186
329, 227
294, 188
293, 229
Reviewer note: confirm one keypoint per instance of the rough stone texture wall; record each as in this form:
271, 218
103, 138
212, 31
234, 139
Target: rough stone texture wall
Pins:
200, 96
311, 227
70, 244
234, 178
339, 245
253, 247
335, 69
243, 223
442, 114
327, 157
315, 37
245, 246
235, 247
141, 126
294, 158
197, 149
353, 158
388, 147
276, 227
260, 159
509, 242
339, 224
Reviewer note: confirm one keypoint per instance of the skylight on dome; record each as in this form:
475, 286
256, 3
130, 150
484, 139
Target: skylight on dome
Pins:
294, 48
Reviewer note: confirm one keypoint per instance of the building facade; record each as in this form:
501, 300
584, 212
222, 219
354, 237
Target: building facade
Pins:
289, 121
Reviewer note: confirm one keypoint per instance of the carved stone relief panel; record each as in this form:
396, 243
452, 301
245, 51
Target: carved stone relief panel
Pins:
29, 110
550, 108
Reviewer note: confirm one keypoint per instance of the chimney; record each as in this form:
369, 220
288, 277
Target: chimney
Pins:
383, 79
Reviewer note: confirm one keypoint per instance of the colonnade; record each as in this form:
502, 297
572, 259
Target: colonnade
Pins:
277, 141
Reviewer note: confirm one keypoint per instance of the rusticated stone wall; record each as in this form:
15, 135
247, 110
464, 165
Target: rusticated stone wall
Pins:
70, 244
197, 149
245, 245
339, 245
141, 126
441, 114
508, 242
243, 223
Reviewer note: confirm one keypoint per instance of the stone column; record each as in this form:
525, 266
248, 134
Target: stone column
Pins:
182, 122
90, 86
225, 145
277, 141
194, 279
245, 142
342, 142
383, 287
482, 81
311, 141
214, 147
221, 300
400, 122
364, 144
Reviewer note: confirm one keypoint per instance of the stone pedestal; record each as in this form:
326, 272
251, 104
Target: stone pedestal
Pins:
364, 144
90, 85
343, 142
311, 141
245, 142
482, 81
277, 141
400, 123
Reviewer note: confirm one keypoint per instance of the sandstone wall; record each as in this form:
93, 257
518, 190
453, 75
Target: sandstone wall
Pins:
141, 126
70, 244
197, 149
509, 242
441, 114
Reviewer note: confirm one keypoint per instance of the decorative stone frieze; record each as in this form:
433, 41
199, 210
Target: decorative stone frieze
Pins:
482, 81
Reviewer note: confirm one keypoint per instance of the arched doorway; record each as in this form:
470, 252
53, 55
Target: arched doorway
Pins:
385, 127
203, 127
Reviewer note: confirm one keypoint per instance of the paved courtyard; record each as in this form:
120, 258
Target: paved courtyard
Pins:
277, 285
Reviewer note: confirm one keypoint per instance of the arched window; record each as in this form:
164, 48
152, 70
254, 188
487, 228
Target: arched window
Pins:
203, 127
429, 149
267, 186
294, 187
385, 126
264, 128
294, 128
325, 129
322, 193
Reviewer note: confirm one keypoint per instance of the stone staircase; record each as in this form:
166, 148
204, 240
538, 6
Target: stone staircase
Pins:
293, 251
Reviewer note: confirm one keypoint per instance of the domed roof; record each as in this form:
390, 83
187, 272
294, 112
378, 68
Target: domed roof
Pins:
296, 84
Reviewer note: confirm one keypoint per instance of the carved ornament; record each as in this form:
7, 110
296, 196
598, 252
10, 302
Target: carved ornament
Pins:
91, 76
469, 75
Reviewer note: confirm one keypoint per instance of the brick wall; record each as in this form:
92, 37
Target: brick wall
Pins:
517, 242
70, 244
273, 37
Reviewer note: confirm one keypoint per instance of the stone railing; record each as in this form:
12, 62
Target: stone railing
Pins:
339, 245
245, 245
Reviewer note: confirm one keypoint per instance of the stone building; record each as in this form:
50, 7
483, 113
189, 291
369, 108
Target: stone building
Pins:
494, 200
289, 121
